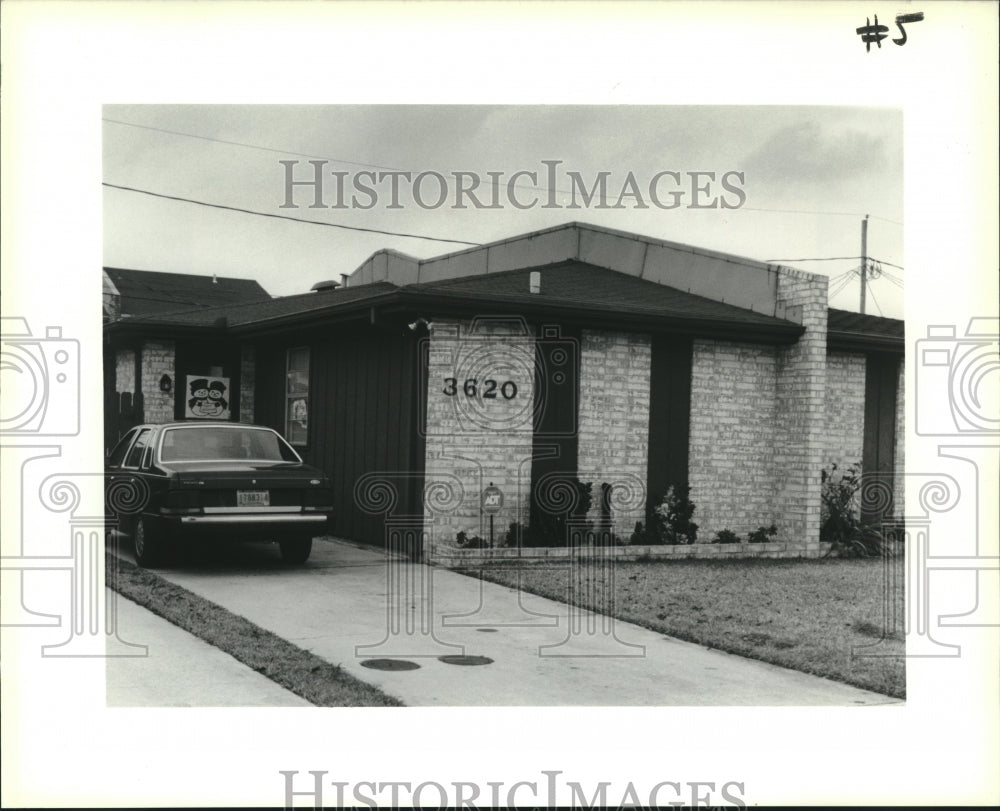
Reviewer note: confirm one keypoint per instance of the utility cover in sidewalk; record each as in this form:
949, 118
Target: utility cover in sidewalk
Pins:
465, 660
390, 664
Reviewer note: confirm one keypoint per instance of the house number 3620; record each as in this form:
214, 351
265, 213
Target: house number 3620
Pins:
507, 389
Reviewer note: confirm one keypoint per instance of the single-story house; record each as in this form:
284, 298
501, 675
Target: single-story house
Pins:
452, 394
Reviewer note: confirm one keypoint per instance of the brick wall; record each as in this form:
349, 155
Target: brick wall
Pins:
158, 359
844, 422
473, 439
732, 444
248, 365
125, 371
801, 403
613, 421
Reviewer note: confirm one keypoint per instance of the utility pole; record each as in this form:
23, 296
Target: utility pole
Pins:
864, 261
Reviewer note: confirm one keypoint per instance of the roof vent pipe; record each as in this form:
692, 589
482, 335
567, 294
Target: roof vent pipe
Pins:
321, 287
535, 281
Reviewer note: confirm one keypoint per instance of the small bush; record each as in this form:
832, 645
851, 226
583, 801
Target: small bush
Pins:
762, 534
550, 528
726, 536
840, 516
669, 521
464, 541
674, 516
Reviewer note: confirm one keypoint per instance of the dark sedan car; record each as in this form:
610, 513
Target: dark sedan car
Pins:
215, 480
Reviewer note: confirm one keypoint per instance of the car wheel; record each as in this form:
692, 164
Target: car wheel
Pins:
147, 542
296, 550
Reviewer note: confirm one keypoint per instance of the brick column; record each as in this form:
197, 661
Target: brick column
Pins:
801, 401
158, 359
479, 439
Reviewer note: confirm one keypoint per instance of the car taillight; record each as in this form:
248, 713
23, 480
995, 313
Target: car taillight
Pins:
182, 502
317, 499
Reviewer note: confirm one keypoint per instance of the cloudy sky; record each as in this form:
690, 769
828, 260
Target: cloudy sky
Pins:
810, 174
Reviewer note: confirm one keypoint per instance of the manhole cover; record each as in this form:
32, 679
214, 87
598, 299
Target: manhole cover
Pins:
465, 660
487, 630
389, 664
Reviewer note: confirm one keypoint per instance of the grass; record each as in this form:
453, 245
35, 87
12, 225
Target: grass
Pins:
298, 670
815, 616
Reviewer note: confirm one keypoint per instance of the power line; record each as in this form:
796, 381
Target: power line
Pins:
815, 259
250, 146
870, 290
285, 217
836, 259
834, 279
840, 288
890, 264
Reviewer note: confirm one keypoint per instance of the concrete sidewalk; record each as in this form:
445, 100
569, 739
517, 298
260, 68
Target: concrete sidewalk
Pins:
543, 652
182, 670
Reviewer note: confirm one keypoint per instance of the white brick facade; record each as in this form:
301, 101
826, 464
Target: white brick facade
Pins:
801, 400
614, 422
158, 359
474, 438
844, 430
125, 371
733, 437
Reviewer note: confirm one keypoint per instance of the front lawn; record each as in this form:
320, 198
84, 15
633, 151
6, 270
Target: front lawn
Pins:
816, 616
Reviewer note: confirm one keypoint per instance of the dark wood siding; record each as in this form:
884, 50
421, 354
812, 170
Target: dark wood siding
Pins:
669, 415
363, 388
197, 357
879, 450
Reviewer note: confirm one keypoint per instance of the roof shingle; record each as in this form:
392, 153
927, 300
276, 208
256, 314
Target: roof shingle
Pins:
144, 291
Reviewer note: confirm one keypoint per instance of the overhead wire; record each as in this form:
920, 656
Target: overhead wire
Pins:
872, 292
285, 217
841, 286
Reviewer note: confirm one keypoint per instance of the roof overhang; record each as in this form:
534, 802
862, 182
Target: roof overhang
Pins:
842, 341
403, 305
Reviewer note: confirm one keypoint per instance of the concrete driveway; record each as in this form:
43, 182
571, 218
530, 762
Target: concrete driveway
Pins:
351, 606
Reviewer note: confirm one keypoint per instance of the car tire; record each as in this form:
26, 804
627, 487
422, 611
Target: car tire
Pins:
148, 542
296, 550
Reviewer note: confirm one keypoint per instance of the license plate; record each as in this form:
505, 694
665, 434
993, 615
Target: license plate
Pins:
253, 498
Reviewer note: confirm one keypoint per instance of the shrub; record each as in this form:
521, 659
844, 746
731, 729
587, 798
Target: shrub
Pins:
549, 527
840, 516
465, 541
762, 534
669, 522
726, 536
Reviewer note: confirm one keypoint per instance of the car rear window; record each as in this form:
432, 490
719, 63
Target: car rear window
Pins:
209, 443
